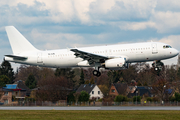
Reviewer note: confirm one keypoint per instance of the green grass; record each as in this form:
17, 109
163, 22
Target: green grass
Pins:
89, 115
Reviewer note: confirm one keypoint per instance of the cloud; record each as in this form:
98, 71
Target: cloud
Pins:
173, 40
136, 25
55, 40
167, 5
122, 10
166, 21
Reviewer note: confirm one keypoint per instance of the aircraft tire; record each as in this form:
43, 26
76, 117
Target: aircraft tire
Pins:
96, 73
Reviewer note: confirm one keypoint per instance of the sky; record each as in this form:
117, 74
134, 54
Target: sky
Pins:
58, 24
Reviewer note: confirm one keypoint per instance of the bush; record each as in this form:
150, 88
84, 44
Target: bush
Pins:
172, 99
149, 99
177, 96
120, 98
138, 99
155, 99
84, 96
100, 100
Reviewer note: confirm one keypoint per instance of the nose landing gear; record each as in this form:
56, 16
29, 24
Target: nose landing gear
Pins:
158, 65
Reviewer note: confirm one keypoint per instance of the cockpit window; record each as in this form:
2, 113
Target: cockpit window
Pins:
167, 46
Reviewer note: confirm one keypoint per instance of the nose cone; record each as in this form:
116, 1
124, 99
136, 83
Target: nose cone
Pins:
175, 52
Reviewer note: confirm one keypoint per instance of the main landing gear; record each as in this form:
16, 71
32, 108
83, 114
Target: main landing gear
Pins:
96, 73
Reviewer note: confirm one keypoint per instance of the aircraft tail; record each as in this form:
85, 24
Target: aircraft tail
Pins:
17, 41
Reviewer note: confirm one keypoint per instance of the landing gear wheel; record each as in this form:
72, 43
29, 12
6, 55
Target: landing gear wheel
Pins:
99, 74
96, 73
156, 68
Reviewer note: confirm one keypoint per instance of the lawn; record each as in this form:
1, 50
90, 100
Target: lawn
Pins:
89, 115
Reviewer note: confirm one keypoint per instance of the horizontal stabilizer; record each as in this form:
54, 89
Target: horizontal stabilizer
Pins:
16, 57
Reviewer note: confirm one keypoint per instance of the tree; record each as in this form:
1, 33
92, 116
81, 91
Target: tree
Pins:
53, 88
178, 73
7, 70
159, 87
114, 76
92, 81
129, 74
177, 96
103, 79
31, 82
70, 97
104, 89
76, 96
1, 92
25, 70
4, 80
171, 73
84, 96
82, 77
67, 72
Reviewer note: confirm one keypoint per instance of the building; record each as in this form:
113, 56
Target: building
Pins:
119, 89
17, 91
141, 91
92, 89
6, 96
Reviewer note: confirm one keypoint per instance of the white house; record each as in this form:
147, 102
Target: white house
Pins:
92, 89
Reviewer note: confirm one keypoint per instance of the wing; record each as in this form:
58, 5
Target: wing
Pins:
89, 56
16, 57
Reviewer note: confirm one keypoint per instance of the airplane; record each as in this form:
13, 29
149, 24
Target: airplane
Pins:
112, 57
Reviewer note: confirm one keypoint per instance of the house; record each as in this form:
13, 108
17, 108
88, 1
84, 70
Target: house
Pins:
119, 89
132, 89
17, 91
141, 91
6, 96
92, 89
23, 87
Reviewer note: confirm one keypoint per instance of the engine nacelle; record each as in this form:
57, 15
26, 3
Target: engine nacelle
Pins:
115, 63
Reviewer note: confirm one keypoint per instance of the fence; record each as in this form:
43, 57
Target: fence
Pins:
64, 103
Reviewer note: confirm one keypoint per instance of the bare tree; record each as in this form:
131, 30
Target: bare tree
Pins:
53, 88
76, 96
159, 88
37, 72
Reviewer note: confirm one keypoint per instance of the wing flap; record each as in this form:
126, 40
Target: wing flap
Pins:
89, 56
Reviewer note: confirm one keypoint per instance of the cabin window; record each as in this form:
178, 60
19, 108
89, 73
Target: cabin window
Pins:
98, 92
92, 92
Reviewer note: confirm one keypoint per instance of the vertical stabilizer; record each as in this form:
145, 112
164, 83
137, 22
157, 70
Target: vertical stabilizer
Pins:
17, 41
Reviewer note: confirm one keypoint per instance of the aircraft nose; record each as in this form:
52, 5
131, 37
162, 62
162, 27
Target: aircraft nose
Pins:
175, 52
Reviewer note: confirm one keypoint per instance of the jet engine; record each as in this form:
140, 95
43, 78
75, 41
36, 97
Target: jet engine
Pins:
115, 63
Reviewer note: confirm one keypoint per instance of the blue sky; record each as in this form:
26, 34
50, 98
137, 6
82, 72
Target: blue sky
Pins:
56, 24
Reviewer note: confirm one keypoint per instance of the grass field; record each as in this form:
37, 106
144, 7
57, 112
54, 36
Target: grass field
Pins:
89, 115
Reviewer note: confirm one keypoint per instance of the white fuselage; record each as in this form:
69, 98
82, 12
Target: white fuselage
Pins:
62, 58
